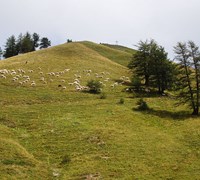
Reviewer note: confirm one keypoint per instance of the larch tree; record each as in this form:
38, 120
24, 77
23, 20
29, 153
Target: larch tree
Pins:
188, 57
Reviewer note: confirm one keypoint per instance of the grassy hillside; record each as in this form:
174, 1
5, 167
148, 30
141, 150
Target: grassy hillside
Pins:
121, 48
51, 130
118, 54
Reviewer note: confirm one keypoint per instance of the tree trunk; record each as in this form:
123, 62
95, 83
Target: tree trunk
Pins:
146, 80
195, 111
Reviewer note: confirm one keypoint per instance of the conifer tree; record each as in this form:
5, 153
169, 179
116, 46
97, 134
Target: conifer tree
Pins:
1, 52
150, 64
27, 43
19, 43
45, 43
10, 47
188, 57
36, 39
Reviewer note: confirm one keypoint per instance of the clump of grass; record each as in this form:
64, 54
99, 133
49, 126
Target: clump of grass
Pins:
103, 95
121, 101
65, 160
142, 105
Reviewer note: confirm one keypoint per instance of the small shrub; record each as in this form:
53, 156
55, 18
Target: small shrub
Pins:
103, 96
142, 105
65, 160
94, 86
121, 101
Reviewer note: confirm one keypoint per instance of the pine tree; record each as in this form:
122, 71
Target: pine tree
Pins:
10, 47
19, 43
45, 43
1, 52
26, 43
36, 39
141, 62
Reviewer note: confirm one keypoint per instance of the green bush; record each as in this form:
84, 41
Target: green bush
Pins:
94, 86
142, 105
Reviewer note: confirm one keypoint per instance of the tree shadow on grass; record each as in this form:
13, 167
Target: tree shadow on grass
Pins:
179, 115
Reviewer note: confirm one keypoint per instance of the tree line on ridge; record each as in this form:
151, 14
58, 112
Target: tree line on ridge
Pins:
23, 44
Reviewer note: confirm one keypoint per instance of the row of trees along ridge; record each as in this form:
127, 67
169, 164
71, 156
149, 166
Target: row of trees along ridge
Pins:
24, 43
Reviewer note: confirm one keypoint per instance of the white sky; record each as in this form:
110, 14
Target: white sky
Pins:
108, 21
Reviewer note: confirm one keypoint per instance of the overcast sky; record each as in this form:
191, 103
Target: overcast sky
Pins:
108, 21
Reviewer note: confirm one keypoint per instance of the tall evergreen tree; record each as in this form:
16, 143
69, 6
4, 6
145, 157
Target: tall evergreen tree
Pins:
141, 62
188, 57
10, 47
19, 43
45, 43
36, 39
150, 64
1, 53
26, 43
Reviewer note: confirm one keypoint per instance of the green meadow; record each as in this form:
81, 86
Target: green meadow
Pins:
51, 130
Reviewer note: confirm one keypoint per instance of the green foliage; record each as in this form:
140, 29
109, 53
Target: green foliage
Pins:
36, 39
142, 105
10, 47
94, 86
151, 65
1, 52
45, 43
24, 44
27, 43
136, 83
188, 57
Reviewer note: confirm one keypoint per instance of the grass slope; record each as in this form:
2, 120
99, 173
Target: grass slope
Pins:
118, 54
55, 133
121, 48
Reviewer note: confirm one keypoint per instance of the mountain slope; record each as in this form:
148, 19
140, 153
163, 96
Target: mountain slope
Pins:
121, 48
118, 54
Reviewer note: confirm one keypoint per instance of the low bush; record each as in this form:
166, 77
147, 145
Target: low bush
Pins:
142, 105
94, 86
